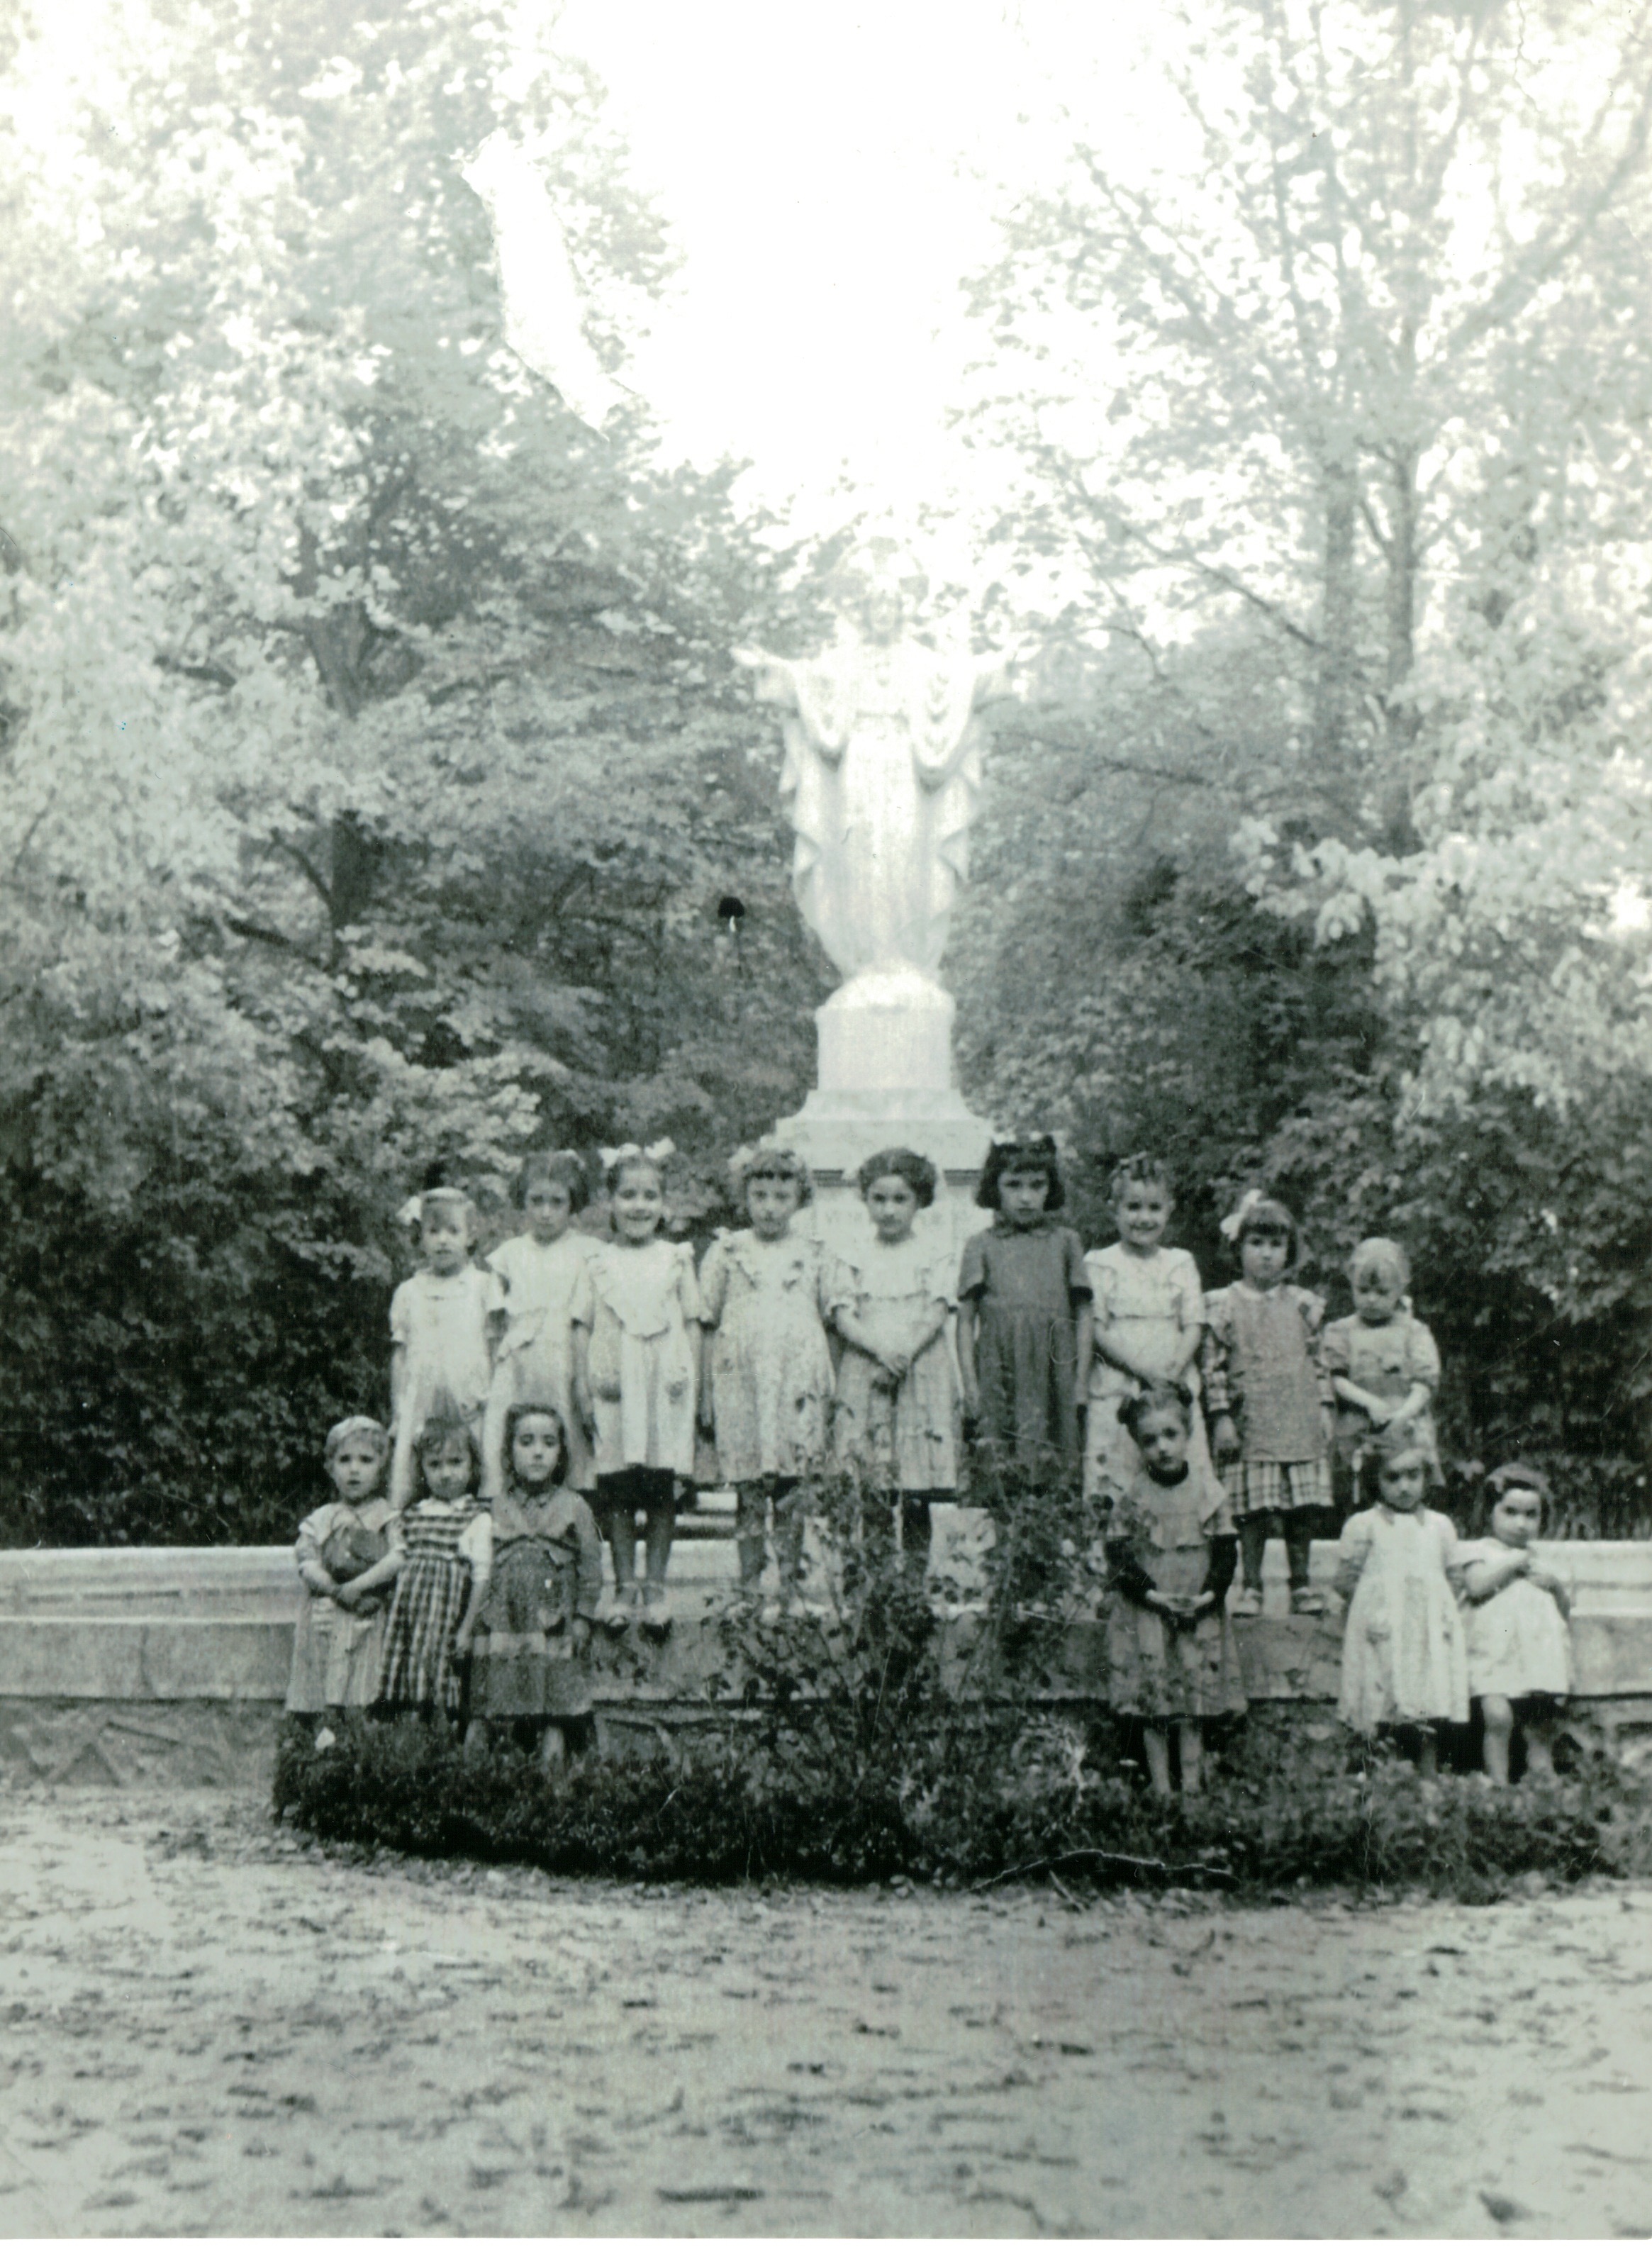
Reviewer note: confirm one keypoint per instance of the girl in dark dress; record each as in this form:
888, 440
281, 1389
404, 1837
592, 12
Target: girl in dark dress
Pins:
1023, 1311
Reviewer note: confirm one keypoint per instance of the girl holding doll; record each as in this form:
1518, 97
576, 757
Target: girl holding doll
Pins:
1023, 1316
530, 1669
897, 1422
1170, 1552
1520, 1650
539, 1269
637, 1347
446, 1558
1147, 1324
442, 1325
349, 1553
1268, 1397
764, 1296
1399, 1569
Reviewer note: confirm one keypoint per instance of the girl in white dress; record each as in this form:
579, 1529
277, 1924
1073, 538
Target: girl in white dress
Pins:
897, 1426
637, 1351
540, 1271
1519, 1647
1146, 1324
442, 1326
1399, 1568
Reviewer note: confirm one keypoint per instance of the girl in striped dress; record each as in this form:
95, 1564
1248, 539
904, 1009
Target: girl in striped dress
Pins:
447, 1559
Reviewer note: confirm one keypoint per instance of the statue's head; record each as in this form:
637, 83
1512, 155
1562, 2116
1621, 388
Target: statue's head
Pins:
878, 586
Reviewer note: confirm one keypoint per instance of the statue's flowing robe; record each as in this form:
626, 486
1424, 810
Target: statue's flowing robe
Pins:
883, 768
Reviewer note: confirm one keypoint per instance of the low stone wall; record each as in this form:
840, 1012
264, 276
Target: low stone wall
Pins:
169, 1664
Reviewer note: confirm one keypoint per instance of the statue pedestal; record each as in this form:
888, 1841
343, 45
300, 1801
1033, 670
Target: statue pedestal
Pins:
885, 1080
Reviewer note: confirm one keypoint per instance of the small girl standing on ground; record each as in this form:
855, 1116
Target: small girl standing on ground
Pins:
447, 1552
1398, 1566
1384, 1366
1269, 1398
540, 1270
637, 1342
896, 1424
1148, 1322
1023, 1317
1170, 1552
763, 1294
1520, 1649
349, 1551
442, 1324
530, 1667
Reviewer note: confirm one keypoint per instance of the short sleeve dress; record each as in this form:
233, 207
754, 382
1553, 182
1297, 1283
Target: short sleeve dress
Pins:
1519, 1644
909, 1437
536, 1356
639, 1305
1262, 1363
1390, 1360
1026, 1283
441, 1320
1157, 1668
1157, 1305
443, 1542
547, 1573
771, 1365
336, 1650
1404, 1652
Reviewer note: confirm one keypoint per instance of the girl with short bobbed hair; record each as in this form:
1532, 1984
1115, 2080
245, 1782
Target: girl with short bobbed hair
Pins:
1147, 1322
897, 1424
540, 1270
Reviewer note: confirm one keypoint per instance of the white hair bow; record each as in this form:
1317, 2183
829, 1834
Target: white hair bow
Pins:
631, 1152
411, 1210
1233, 1224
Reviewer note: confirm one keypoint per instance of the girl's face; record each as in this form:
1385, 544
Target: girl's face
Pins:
1517, 1516
1143, 1213
1162, 1439
1263, 1256
891, 1204
354, 1468
640, 1203
444, 1235
1377, 1293
1022, 1194
772, 1204
446, 1466
535, 1450
1402, 1481
549, 1208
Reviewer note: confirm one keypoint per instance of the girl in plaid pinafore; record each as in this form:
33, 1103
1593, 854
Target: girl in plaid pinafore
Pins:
447, 1559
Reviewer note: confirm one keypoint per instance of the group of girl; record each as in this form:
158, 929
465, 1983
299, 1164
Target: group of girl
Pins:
551, 1397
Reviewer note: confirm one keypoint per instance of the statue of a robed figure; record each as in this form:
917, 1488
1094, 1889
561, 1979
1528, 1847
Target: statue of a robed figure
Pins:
882, 771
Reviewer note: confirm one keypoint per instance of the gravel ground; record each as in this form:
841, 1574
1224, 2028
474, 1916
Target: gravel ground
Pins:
212, 2028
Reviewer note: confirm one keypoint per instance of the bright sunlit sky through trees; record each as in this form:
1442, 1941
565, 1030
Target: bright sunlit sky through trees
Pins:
831, 176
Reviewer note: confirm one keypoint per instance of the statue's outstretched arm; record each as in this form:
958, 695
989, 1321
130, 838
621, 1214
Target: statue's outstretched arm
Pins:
776, 680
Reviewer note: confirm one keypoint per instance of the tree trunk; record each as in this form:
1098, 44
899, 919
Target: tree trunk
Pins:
1399, 713
1337, 687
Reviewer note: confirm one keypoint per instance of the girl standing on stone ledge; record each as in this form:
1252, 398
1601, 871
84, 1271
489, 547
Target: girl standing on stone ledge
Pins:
539, 1269
764, 1293
1023, 1318
897, 1422
636, 1349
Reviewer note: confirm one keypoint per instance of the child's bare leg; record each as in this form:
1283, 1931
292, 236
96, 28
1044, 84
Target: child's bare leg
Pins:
659, 1528
1157, 1741
917, 1532
617, 1517
789, 1533
1254, 1534
1189, 1741
553, 1748
478, 1738
750, 1520
1428, 1753
1540, 1744
1497, 1714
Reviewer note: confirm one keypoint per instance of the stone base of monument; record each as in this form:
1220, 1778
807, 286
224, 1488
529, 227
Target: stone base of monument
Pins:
169, 1666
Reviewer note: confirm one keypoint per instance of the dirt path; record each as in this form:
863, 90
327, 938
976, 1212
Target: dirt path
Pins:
209, 2030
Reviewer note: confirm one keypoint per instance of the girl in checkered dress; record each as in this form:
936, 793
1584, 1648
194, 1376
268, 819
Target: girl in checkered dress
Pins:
447, 1559
1269, 1398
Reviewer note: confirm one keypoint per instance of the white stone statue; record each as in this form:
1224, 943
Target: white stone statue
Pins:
883, 768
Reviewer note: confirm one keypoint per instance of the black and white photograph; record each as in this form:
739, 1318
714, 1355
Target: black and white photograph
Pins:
826, 1119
